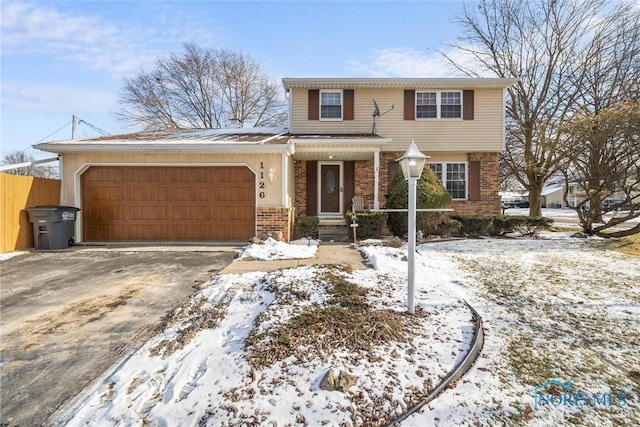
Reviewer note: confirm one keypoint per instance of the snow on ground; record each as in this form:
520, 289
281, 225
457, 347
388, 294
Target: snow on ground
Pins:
9, 255
568, 218
559, 309
272, 249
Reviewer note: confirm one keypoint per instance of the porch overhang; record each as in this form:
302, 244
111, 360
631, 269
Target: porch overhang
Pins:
339, 148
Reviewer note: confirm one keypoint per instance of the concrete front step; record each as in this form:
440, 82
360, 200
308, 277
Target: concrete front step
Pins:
337, 233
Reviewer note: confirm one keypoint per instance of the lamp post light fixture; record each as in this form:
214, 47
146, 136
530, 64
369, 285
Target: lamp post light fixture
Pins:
412, 163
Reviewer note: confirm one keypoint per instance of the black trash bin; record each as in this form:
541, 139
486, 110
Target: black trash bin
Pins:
53, 226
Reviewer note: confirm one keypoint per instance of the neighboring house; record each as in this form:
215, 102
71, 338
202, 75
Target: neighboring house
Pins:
232, 184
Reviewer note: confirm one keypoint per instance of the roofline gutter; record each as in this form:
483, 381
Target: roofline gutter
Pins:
164, 147
338, 141
27, 164
398, 83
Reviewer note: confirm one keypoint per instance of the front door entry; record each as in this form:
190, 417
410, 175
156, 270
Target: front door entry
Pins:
330, 188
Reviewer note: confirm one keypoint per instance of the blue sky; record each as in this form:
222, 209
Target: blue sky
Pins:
70, 57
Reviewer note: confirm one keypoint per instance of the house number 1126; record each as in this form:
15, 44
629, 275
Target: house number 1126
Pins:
261, 185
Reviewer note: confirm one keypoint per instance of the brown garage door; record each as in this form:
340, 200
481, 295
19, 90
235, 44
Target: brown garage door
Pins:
134, 203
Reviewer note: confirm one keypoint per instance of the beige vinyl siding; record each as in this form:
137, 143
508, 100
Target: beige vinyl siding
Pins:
73, 162
483, 134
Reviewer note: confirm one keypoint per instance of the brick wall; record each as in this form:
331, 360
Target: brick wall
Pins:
385, 158
300, 201
271, 220
364, 178
489, 202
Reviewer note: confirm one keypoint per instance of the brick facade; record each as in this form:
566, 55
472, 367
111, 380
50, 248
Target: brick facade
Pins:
489, 202
364, 180
300, 201
272, 220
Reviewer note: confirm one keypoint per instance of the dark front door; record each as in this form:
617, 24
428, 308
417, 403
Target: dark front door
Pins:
330, 191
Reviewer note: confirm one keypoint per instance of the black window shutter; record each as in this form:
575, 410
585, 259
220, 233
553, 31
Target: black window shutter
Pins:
467, 104
314, 104
474, 180
409, 104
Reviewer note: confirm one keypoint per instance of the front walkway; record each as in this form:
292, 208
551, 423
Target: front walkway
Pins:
332, 253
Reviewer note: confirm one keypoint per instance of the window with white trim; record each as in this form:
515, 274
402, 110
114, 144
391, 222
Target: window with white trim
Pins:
439, 105
331, 105
453, 177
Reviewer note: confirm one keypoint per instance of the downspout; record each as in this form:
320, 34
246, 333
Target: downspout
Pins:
284, 132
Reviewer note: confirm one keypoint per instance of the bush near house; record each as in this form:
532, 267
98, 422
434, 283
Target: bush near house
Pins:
306, 226
370, 224
500, 225
430, 195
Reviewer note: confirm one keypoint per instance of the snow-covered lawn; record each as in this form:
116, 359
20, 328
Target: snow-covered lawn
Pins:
238, 354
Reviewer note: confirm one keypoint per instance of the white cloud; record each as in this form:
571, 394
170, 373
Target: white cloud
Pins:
410, 62
48, 98
43, 30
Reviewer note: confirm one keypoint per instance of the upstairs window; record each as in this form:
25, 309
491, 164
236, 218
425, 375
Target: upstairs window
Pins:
426, 105
331, 105
439, 105
450, 105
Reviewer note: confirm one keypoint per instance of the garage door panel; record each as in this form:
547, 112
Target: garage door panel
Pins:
190, 213
155, 203
143, 175
147, 213
188, 193
104, 213
145, 193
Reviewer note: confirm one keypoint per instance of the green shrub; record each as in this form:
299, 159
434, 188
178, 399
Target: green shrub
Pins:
370, 224
504, 224
533, 225
430, 194
447, 227
499, 225
474, 225
306, 226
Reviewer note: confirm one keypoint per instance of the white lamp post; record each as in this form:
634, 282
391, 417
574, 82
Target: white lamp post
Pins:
412, 164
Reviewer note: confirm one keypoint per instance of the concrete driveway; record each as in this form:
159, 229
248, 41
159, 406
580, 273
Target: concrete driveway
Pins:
68, 316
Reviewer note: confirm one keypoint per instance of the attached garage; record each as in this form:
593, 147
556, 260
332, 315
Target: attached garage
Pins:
167, 203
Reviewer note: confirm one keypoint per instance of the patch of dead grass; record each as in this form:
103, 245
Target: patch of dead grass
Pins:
188, 322
347, 321
629, 245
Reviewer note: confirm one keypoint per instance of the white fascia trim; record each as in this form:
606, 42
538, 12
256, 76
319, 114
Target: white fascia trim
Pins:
342, 149
341, 141
163, 147
397, 83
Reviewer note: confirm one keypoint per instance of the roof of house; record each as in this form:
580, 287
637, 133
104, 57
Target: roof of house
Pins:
397, 83
245, 140
210, 140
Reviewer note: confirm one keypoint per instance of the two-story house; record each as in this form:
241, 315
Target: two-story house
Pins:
232, 184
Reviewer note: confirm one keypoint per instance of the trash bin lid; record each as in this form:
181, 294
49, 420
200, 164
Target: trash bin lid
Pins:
55, 207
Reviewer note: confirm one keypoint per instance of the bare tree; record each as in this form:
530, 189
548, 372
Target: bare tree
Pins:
601, 144
603, 166
202, 89
540, 42
20, 157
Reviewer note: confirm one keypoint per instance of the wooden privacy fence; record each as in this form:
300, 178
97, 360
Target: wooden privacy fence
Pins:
18, 193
